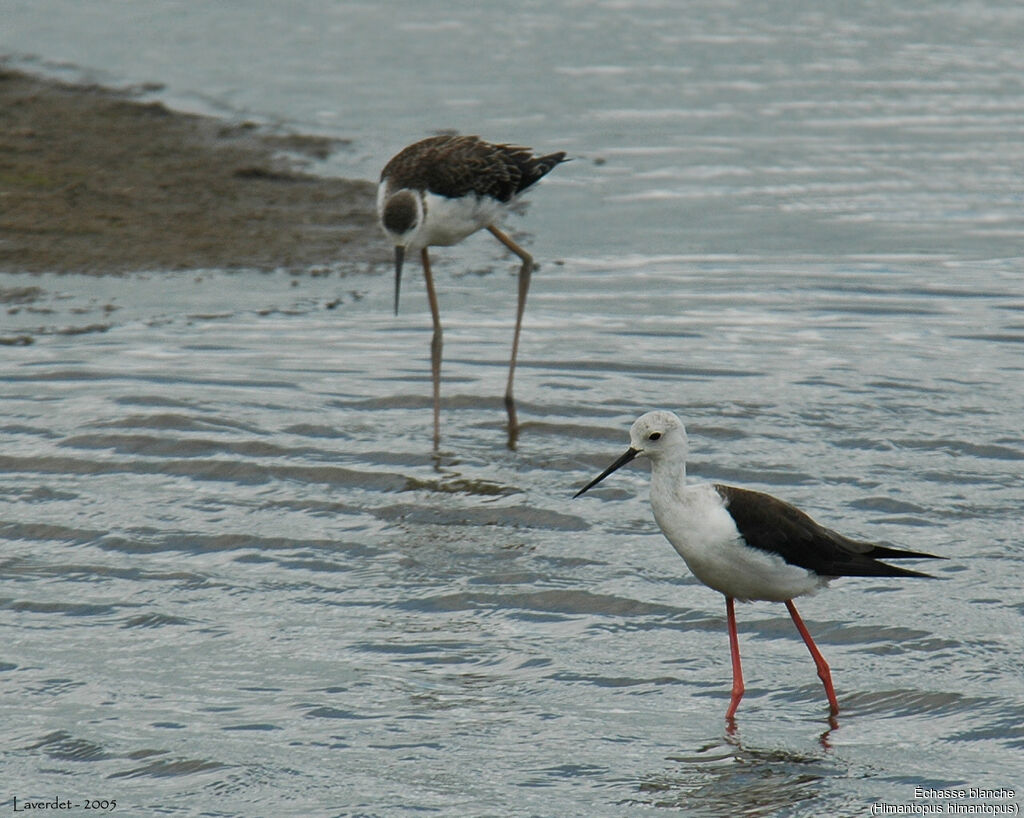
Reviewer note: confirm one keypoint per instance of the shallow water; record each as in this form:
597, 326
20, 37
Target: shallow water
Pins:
238, 581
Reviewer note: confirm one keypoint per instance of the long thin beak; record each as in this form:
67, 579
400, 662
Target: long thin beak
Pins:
399, 258
622, 461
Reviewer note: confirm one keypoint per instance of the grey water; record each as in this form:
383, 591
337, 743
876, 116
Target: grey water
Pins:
237, 580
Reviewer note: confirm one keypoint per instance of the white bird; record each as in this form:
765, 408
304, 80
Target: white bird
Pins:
746, 544
442, 189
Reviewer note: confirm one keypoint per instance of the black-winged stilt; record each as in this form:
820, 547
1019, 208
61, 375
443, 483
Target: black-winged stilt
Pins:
746, 544
439, 191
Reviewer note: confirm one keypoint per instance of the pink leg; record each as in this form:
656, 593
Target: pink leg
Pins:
737, 671
823, 672
524, 287
435, 344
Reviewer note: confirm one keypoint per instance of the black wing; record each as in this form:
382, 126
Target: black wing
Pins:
456, 166
772, 525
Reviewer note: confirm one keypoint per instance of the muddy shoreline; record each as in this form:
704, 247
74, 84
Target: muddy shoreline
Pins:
99, 181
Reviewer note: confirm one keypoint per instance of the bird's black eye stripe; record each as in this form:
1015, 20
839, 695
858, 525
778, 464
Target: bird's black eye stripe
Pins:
654, 436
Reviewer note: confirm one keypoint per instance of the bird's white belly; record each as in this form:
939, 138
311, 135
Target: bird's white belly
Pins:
449, 221
704, 534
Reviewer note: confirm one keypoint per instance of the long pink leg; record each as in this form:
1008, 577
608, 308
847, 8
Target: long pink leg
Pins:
435, 345
823, 672
524, 287
737, 671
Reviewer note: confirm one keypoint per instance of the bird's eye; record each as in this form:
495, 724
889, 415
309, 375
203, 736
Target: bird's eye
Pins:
654, 436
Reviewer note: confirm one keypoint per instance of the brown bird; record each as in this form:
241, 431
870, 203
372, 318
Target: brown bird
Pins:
440, 190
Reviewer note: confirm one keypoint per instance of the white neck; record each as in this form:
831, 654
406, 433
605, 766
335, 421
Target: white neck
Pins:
668, 470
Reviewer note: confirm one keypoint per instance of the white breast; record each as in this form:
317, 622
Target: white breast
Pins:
700, 528
449, 221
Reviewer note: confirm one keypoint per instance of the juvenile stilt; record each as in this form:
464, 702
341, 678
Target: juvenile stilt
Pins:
439, 191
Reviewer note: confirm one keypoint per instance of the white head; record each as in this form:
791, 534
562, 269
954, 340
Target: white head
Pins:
656, 434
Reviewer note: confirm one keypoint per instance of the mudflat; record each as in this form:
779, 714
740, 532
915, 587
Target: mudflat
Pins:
100, 181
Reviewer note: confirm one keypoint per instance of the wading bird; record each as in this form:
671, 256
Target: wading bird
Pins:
745, 544
439, 191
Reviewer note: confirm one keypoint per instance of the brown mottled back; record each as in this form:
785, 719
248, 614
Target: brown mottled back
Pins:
456, 166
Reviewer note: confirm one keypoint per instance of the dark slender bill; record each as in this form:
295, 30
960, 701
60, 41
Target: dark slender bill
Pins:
399, 258
622, 461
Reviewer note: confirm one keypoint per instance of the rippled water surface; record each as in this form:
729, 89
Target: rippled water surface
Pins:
237, 579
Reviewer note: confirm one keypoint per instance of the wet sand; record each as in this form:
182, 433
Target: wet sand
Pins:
99, 181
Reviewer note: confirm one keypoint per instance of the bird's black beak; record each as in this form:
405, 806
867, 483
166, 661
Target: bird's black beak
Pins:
399, 258
622, 461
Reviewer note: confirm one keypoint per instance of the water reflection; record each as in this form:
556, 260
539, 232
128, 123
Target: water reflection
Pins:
725, 777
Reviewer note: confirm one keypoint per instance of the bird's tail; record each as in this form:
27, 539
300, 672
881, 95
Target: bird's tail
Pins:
539, 166
872, 568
